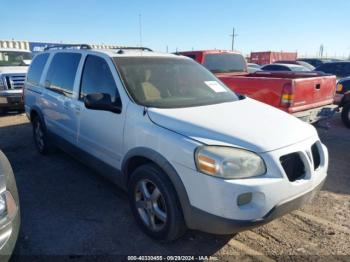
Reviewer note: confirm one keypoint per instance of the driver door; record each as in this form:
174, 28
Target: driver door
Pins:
100, 133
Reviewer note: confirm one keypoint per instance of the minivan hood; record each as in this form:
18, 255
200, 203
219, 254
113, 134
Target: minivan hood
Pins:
246, 124
13, 69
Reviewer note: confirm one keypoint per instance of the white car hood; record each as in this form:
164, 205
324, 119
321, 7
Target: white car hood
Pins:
246, 123
13, 69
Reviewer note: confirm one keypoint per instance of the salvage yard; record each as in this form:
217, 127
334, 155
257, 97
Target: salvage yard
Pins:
67, 209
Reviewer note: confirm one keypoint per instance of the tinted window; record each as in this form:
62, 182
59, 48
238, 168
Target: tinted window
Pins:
171, 82
36, 69
191, 56
14, 58
62, 71
225, 63
275, 68
338, 69
97, 78
345, 71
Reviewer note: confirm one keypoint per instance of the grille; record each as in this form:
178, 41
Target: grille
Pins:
15, 81
316, 156
293, 166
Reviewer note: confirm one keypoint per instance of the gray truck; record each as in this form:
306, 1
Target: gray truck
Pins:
13, 69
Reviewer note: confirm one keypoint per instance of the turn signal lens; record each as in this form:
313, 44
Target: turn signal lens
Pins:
207, 165
339, 88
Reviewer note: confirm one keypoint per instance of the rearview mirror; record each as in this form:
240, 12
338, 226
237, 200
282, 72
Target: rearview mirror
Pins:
103, 102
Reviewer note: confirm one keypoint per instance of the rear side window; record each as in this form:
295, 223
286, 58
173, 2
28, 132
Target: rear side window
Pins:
36, 69
61, 75
97, 78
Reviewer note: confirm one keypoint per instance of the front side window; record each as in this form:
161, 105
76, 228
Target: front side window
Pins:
225, 63
15, 58
61, 75
36, 68
97, 78
171, 82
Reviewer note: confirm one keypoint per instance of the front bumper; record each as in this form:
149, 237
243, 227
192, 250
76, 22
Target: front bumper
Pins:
214, 201
338, 98
11, 100
209, 223
316, 114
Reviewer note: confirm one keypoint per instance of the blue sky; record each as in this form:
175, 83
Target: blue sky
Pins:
261, 25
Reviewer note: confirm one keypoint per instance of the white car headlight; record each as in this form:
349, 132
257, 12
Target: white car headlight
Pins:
228, 162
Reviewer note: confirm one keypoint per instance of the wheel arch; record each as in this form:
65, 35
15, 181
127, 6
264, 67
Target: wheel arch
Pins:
140, 156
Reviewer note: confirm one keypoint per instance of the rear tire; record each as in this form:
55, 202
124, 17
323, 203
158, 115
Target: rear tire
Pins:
154, 204
40, 136
345, 115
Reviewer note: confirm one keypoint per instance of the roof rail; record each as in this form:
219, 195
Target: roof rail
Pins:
121, 49
64, 46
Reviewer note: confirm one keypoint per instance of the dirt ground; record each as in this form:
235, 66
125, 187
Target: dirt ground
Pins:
69, 210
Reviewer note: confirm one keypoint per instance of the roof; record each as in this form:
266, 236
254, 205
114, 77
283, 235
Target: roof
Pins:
288, 65
210, 51
120, 52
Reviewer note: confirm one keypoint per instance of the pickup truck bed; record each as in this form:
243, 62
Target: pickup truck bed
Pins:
307, 95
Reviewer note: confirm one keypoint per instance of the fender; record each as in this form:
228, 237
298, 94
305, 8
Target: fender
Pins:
169, 170
346, 99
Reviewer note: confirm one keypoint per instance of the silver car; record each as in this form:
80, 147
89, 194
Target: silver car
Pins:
9, 209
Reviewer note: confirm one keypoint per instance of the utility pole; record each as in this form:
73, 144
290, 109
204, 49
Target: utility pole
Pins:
321, 50
233, 38
140, 28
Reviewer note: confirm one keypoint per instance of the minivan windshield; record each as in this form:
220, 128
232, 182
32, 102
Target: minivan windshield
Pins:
15, 58
165, 82
225, 63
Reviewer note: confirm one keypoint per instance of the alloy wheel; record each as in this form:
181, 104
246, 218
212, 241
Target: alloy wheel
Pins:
150, 205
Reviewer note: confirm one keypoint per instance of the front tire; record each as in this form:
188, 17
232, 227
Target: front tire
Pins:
154, 204
40, 136
345, 115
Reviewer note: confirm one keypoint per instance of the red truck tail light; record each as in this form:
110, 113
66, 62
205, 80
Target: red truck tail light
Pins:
287, 97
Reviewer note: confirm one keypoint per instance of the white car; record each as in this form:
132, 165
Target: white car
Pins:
189, 151
13, 69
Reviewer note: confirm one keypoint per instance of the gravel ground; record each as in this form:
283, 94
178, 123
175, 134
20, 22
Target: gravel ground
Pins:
70, 211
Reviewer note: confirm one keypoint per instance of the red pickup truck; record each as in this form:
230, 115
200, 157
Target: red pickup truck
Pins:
307, 95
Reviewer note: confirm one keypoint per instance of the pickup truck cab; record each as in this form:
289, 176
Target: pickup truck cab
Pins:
13, 68
306, 95
181, 143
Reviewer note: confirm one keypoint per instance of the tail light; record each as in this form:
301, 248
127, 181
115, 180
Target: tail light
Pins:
287, 98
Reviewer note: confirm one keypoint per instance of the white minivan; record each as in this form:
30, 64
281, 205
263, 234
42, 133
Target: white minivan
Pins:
190, 152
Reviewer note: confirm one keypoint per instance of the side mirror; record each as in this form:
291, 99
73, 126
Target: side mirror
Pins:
103, 102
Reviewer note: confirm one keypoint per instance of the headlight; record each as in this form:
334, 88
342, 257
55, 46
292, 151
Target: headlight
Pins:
228, 162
